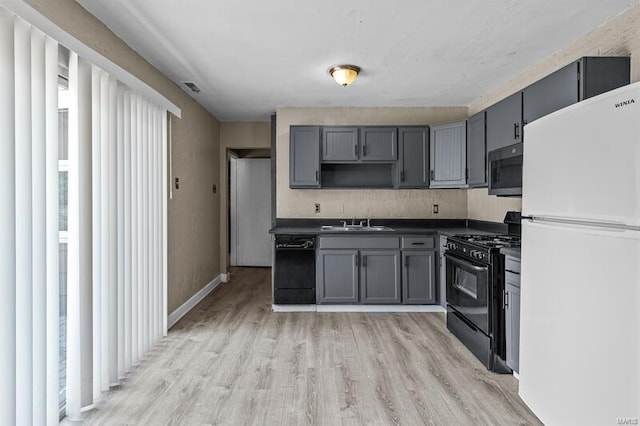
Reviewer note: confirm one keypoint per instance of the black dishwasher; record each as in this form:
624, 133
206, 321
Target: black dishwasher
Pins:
294, 275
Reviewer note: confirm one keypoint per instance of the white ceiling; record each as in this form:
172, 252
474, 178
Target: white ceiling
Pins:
250, 57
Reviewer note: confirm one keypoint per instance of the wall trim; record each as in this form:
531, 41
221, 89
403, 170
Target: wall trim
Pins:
358, 308
176, 315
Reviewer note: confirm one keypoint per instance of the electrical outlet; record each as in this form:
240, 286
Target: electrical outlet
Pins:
177, 183
435, 209
214, 189
317, 207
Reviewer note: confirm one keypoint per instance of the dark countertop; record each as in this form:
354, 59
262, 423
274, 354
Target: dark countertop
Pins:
511, 251
445, 227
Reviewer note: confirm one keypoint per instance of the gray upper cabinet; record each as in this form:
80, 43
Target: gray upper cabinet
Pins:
476, 151
448, 156
504, 122
340, 144
337, 276
304, 157
550, 94
418, 277
587, 77
380, 276
601, 74
413, 157
378, 144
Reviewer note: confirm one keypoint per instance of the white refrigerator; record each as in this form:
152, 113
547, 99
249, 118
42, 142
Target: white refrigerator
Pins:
580, 295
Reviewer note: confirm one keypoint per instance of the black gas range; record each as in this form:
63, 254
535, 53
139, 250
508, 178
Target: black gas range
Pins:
475, 289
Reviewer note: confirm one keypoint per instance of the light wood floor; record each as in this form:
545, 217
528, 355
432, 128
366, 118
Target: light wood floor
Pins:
231, 361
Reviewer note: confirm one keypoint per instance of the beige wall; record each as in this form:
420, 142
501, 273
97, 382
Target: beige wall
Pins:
482, 206
194, 252
372, 203
242, 135
619, 36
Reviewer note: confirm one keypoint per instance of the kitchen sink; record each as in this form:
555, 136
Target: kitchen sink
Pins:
355, 228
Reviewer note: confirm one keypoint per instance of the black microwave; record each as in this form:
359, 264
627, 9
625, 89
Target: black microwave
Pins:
505, 171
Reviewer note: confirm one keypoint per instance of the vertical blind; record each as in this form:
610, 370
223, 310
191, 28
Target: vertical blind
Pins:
28, 224
116, 233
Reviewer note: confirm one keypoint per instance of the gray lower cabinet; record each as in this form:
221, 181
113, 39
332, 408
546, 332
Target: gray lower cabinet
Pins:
504, 122
413, 157
304, 154
379, 144
442, 271
476, 151
337, 276
512, 311
448, 157
340, 144
418, 277
380, 276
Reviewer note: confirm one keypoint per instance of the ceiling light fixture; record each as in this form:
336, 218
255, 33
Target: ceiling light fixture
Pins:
344, 75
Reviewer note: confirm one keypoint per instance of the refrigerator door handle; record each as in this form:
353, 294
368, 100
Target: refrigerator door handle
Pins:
559, 220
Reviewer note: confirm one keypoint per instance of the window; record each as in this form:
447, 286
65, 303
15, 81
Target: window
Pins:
63, 216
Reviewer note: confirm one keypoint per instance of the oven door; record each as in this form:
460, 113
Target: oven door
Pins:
468, 289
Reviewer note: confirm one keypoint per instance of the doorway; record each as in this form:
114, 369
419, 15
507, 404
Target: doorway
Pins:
250, 208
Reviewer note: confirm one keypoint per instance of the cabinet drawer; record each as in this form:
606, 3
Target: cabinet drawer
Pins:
418, 243
359, 243
512, 264
512, 279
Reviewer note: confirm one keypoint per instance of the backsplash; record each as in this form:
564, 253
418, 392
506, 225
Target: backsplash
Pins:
482, 206
375, 203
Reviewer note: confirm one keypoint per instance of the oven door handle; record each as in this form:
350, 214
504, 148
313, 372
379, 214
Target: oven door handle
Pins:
465, 263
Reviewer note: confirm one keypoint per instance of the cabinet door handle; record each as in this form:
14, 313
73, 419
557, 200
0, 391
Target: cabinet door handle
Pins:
506, 300
516, 130
316, 175
364, 150
355, 150
417, 244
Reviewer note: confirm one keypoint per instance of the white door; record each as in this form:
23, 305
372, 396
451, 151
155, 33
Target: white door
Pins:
250, 212
580, 323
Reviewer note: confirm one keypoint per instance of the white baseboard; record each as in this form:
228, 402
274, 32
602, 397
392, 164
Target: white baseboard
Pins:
224, 278
293, 308
175, 316
358, 308
379, 308
516, 375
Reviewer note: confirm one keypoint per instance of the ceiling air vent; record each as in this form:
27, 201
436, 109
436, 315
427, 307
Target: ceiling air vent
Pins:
192, 86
